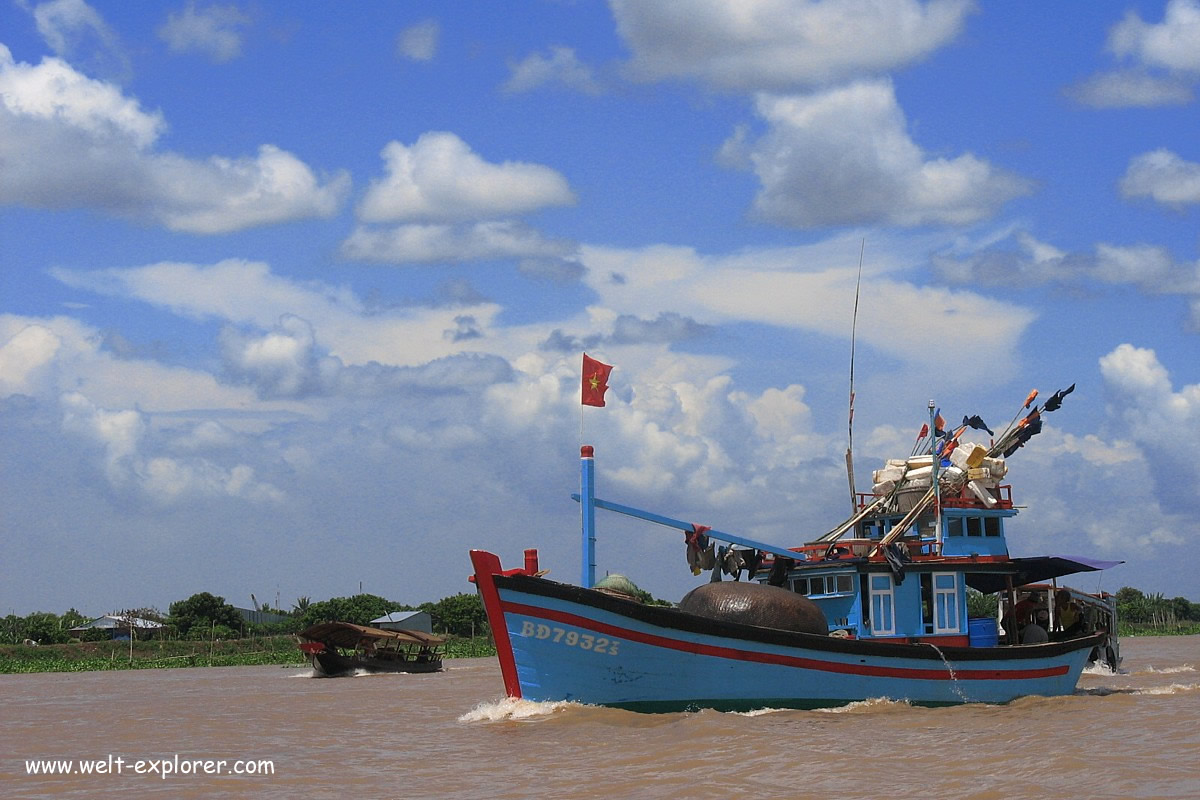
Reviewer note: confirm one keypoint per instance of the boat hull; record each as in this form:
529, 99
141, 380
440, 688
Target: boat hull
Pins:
330, 664
559, 642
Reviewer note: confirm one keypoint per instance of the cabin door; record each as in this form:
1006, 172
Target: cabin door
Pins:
883, 606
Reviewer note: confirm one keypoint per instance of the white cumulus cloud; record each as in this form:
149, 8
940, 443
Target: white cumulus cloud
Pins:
1164, 177
1163, 422
1163, 61
845, 156
561, 67
439, 178
69, 141
215, 31
419, 42
782, 44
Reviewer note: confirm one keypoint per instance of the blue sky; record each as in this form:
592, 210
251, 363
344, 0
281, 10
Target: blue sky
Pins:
294, 295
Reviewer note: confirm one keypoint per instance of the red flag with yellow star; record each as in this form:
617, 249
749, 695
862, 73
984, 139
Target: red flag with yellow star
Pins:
595, 381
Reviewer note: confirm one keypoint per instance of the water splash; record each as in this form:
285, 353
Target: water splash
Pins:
1103, 670
513, 708
954, 685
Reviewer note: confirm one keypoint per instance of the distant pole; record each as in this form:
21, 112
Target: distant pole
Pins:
587, 506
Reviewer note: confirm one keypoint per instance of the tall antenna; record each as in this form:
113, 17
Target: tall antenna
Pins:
850, 418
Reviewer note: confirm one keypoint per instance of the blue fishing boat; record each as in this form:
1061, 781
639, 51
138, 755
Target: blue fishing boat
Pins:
875, 608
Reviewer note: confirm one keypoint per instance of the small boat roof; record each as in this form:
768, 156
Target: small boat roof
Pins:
347, 634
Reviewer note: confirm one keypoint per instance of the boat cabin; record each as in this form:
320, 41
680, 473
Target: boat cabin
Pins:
884, 582
904, 574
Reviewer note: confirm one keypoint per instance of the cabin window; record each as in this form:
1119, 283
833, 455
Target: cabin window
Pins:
954, 526
974, 526
945, 602
991, 526
824, 585
883, 607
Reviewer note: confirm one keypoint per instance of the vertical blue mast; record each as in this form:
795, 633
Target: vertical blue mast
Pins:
587, 507
934, 463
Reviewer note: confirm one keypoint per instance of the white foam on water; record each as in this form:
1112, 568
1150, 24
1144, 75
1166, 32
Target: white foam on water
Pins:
1097, 668
511, 708
870, 703
308, 673
758, 712
1174, 688
1168, 670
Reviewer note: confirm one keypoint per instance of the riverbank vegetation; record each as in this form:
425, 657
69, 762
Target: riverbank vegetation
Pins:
172, 653
204, 630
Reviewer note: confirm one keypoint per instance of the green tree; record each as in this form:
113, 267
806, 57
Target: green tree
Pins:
980, 604
1132, 605
196, 616
460, 614
359, 609
44, 627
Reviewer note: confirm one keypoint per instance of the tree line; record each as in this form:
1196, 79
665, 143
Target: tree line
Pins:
205, 616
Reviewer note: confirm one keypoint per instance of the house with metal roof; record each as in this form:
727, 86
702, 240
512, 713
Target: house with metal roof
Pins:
405, 621
119, 625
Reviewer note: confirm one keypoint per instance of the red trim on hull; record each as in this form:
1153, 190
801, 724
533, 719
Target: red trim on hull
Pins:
764, 658
487, 565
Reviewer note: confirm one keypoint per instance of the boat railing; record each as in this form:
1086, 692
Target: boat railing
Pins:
861, 548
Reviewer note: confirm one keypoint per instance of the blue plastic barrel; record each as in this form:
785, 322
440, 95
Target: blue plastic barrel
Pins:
982, 632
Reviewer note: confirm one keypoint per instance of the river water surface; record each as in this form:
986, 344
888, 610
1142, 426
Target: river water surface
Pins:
1135, 734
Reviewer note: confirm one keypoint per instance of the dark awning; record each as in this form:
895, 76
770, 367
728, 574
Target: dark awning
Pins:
1033, 570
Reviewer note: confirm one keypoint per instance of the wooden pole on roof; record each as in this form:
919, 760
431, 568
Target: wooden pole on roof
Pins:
850, 418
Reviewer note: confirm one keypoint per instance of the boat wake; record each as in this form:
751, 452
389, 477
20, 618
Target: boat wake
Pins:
1174, 688
513, 708
871, 704
1102, 670
1167, 670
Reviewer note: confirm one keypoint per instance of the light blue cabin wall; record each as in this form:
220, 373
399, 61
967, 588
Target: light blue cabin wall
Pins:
841, 612
909, 618
974, 532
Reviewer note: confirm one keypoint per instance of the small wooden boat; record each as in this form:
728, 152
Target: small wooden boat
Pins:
342, 648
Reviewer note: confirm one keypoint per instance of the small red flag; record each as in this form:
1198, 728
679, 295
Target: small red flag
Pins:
595, 381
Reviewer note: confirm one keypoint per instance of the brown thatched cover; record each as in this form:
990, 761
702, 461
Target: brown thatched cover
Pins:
347, 634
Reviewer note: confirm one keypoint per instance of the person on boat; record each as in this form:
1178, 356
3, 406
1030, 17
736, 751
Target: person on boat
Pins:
1026, 609
1036, 632
1068, 616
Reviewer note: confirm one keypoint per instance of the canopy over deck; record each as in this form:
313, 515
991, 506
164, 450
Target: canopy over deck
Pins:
348, 635
1033, 570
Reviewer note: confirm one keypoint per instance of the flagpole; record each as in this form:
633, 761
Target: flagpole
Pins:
587, 507
592, 391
